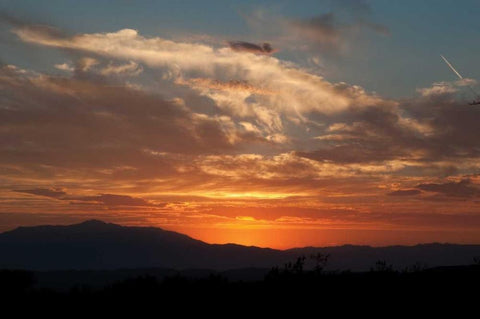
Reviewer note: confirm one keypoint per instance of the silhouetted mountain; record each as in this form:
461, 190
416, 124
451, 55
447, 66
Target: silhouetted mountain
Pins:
98, 245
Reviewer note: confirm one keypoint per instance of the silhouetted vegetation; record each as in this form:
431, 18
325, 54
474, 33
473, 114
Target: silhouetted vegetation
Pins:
293, 283
381, 266
476, 260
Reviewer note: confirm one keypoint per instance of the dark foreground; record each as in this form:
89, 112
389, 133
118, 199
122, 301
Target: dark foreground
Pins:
281, 289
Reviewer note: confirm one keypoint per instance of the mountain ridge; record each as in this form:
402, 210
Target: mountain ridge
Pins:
97, 222
94, 244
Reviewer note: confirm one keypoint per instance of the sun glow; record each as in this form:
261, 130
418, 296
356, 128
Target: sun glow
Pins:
230, 194
249, 195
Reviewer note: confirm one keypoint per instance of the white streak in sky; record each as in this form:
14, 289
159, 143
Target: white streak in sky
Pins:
451, 67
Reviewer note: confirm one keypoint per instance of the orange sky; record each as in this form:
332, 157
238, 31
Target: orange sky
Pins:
227, 142
279, 223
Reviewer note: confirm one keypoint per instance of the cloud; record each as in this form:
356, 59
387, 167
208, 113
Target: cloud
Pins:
463, 188
284, 103
297, 90
320, 29
63, 128
270, 93
373, 134
234, 85
438, 89
208, 129
130, 129
63, 108
131, 69
47, 192
48, 31
405, 192
114, 200
64, 67
85, 64
330, 33
284, 168
242, 46
361, 12
104, 199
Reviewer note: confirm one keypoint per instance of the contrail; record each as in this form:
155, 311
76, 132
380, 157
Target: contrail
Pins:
476, 101
451, 67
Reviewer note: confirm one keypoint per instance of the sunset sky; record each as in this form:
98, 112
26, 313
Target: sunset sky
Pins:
269, 123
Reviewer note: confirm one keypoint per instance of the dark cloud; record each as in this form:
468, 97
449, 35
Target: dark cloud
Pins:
330, 30
438, 136
463, 188
114, 200
327, 30
322, 29
32, 25
104, 199
264, 48
455, 124
347, 154
47, 192
372, 134
84, 124
359, 11
405, 192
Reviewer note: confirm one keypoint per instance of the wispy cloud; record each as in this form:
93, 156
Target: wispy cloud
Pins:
463, 188
102, 199
405, 192
329, 32
47, 192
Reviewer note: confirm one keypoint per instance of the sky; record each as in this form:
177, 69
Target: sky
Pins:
268, 123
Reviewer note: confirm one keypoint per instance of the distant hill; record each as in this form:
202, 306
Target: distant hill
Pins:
97, 245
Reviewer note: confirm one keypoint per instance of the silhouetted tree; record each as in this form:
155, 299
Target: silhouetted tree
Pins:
321, 261
382, 266
416, 267
476, 260
290, 270
296, 267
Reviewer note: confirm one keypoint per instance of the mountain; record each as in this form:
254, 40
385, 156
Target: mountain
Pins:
97, 245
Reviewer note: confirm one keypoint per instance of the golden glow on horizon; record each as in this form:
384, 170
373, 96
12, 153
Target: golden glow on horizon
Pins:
240, 195
247, 195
